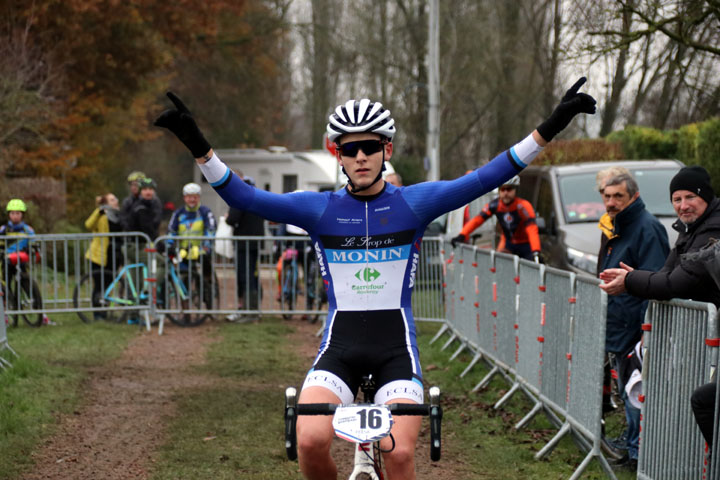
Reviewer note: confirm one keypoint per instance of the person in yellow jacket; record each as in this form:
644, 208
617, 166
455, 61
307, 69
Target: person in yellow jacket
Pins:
104, 253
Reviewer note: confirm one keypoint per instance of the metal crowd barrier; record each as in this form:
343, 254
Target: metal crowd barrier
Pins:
4, 344
149, 281
55, 275
542, 329
681, 338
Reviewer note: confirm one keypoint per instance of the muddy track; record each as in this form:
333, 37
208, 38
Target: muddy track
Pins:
128, 403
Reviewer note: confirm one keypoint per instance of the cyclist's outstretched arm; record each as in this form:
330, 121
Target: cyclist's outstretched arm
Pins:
454, 194
302, 208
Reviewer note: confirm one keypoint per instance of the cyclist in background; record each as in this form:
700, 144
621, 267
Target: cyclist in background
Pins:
515, 216
16, 227
367, 237
17, 251
192, 219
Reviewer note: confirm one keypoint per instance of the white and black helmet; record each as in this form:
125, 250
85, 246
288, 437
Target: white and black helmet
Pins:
360, 116
513, 182
192, 189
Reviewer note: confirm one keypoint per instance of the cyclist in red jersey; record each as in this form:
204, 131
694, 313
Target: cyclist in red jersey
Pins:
515, 216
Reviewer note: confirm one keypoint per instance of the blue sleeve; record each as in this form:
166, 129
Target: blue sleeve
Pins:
431, 199
303, 209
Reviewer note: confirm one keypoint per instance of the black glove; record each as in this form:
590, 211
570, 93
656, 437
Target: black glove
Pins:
182, 124
459, 239
571, 104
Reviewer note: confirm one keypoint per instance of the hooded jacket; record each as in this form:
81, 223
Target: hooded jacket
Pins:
677, 278
639, 240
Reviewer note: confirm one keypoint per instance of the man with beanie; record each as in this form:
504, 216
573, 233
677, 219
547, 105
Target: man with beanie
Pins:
698, 223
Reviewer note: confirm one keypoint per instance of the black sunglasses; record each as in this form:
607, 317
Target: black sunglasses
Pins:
350, 149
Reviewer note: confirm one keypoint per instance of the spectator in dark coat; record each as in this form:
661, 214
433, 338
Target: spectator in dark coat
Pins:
144, 216
247, 252
129, 202
698, 222
630, 235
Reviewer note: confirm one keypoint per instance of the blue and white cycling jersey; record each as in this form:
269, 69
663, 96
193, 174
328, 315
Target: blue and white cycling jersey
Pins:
368, 247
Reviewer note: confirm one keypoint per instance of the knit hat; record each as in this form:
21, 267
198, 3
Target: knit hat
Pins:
694, 179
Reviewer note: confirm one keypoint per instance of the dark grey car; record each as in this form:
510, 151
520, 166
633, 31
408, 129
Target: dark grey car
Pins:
568, 206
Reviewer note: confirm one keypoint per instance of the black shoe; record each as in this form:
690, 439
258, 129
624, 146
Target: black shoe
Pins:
612, 450
625, 463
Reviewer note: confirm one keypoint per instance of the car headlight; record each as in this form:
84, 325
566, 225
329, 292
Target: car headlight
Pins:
583, 261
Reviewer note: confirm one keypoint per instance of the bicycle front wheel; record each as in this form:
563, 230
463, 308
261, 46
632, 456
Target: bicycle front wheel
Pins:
26, 296
184, 299
314, 292
84, 297
289, 292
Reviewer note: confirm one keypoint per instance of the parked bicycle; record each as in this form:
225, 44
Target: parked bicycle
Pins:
314, 292
22, 291
130, 288
364, 424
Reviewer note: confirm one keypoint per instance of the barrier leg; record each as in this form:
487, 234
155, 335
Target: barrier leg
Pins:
5, 363
507, 396
531, 414
475, 359
483, 383
553, 442
439, 334
586, 461
449, 342
458, 351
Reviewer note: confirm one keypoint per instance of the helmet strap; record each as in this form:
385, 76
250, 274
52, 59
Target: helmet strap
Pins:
354, 189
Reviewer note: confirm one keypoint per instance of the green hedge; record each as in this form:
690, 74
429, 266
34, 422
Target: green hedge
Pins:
707, 150
645, 143
692, 144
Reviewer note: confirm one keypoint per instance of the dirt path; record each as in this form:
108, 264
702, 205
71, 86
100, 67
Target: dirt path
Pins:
129, 402
126, 407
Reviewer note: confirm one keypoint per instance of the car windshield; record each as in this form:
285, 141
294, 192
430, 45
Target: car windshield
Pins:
583, 203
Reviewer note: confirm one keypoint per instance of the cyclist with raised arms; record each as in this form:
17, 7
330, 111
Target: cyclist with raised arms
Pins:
367, 237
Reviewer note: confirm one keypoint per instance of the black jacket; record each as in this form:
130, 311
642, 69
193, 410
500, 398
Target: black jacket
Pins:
682, 279
144, 218
245, 223
128, 206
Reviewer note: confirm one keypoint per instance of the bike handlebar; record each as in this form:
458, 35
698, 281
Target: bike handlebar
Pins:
432, 410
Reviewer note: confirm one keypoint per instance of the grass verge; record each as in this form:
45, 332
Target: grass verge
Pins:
46, 381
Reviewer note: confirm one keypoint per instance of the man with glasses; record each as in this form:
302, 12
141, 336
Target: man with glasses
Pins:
367, 238
516, 218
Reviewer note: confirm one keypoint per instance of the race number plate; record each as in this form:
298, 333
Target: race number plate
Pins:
362, 423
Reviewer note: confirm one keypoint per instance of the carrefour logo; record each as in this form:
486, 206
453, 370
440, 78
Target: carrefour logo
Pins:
367, 274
